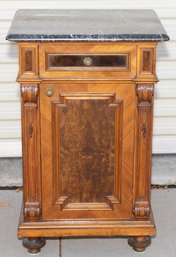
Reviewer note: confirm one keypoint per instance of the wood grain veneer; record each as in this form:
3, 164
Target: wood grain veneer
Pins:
87, 136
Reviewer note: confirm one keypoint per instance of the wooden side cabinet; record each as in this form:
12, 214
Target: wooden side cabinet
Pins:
87, 110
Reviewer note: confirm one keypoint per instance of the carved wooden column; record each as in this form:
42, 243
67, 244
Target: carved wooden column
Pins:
31, 161
142, 173
31, 151
143, 151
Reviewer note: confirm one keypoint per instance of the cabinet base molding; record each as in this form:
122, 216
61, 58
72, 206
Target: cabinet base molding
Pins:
81, 228
139, 243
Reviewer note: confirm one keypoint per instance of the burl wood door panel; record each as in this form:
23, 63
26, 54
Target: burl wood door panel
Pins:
87, 136
87, 150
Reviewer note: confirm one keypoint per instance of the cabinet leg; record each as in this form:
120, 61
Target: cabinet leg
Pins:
139, 243
33, 244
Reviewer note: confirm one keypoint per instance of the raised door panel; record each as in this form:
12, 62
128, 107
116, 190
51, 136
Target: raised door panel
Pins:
84, 151
85, 128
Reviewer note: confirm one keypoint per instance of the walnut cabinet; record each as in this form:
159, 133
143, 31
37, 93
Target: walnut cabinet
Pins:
87, 110
87, 87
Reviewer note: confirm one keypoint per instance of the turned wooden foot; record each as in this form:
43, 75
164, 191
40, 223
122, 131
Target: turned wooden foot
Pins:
33, 244
139, 243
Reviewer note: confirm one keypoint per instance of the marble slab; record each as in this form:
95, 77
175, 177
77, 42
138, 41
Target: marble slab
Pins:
86, 25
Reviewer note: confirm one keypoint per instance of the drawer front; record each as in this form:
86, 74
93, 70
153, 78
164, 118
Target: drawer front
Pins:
87, 60
75, 62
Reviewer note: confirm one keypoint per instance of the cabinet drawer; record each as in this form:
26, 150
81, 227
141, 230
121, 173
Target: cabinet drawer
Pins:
87, 61
58, 62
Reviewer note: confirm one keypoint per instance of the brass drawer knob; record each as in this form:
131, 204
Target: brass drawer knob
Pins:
49, 92
87, 61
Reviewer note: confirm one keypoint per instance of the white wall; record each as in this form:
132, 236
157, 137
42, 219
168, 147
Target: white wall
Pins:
164, 139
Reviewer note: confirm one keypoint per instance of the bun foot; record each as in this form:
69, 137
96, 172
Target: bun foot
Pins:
33, 244
139, 243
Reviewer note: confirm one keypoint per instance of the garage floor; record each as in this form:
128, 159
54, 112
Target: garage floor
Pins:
164, 245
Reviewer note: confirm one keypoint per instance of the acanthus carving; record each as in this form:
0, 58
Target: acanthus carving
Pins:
29, 93
144, 93
143, 162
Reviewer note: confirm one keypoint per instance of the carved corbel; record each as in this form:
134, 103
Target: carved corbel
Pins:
145, 93
32, 209
143, 149
31, 151
29, 93
142, 209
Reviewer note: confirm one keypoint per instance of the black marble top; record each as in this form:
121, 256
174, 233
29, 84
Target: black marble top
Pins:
86, 25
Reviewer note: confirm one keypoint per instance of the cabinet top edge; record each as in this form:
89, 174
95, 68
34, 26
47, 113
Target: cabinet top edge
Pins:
86, 25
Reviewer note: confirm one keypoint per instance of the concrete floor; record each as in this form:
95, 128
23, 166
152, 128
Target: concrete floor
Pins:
164, 245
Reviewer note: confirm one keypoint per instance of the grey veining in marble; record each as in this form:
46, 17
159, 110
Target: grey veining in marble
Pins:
86, 25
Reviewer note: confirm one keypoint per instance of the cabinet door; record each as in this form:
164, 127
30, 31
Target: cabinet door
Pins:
87, 142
